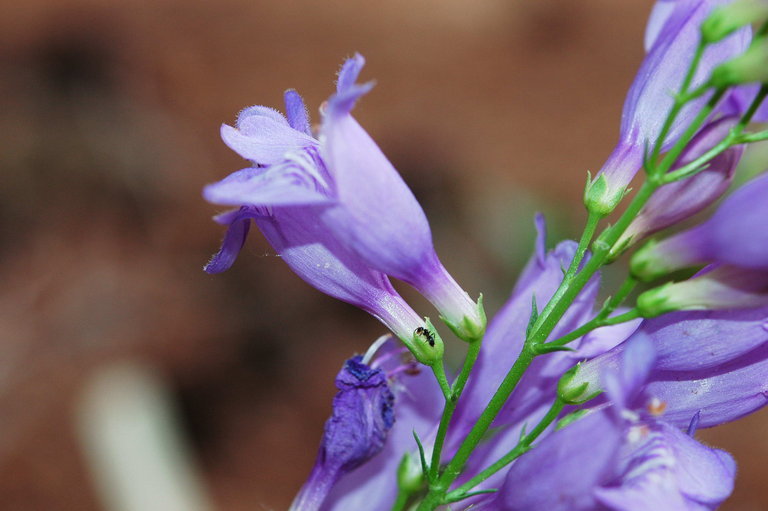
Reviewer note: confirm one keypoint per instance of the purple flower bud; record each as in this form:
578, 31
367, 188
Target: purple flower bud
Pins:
345, 189
737, 234
677, 201
363, 413
672, 38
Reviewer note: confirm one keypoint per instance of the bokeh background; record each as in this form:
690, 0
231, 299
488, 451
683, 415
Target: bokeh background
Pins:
109, 118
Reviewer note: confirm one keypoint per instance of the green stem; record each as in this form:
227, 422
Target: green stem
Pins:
439, 370
437, 491
753, 137
595, 323
680, 100
402, 500
450, 406
671, 157
586, 238
735, 137
523, 446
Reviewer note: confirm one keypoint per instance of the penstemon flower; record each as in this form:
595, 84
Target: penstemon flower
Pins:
567, 402
345, 188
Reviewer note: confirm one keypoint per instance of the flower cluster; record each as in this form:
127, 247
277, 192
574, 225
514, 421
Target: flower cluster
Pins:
566, 402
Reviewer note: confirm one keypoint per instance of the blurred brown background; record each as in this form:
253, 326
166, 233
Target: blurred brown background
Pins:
109, 129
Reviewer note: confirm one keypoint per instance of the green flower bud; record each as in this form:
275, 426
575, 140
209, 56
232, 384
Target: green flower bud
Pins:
470, 329
409, 476
426, 344
658, 301
579, 385
600, 197
726, 19
751, 66
646, 265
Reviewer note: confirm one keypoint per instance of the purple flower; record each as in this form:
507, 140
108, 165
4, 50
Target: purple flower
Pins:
677, 201
619, 458
363, 414
736, 235
671, 38
342, 188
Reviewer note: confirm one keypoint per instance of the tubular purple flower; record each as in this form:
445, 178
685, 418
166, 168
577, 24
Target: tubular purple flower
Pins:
737, 235
326, 265
677, 201
363, 414
346, 189
672, 37
658, 466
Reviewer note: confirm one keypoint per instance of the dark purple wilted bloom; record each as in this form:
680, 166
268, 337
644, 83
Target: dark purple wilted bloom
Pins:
418, 404
342, 188
671, 38
677, 201
363, 414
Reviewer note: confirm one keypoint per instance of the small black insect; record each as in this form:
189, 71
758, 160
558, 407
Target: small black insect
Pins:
423, 332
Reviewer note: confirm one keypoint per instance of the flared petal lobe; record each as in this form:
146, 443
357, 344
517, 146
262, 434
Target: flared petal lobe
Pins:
560, 474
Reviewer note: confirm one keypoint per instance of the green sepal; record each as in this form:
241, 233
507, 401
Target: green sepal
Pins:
449, 498
574, 395
426, 344
544, 348
534, 317
645, 265
599, 198
422, 457
570, 419
726, 19
468, 330
409, 477
656, 301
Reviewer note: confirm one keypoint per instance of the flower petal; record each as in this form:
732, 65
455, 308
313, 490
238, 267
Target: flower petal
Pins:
722, 394
559, 474
278, 185
296, 111
380, 217
234, 239
264, 140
